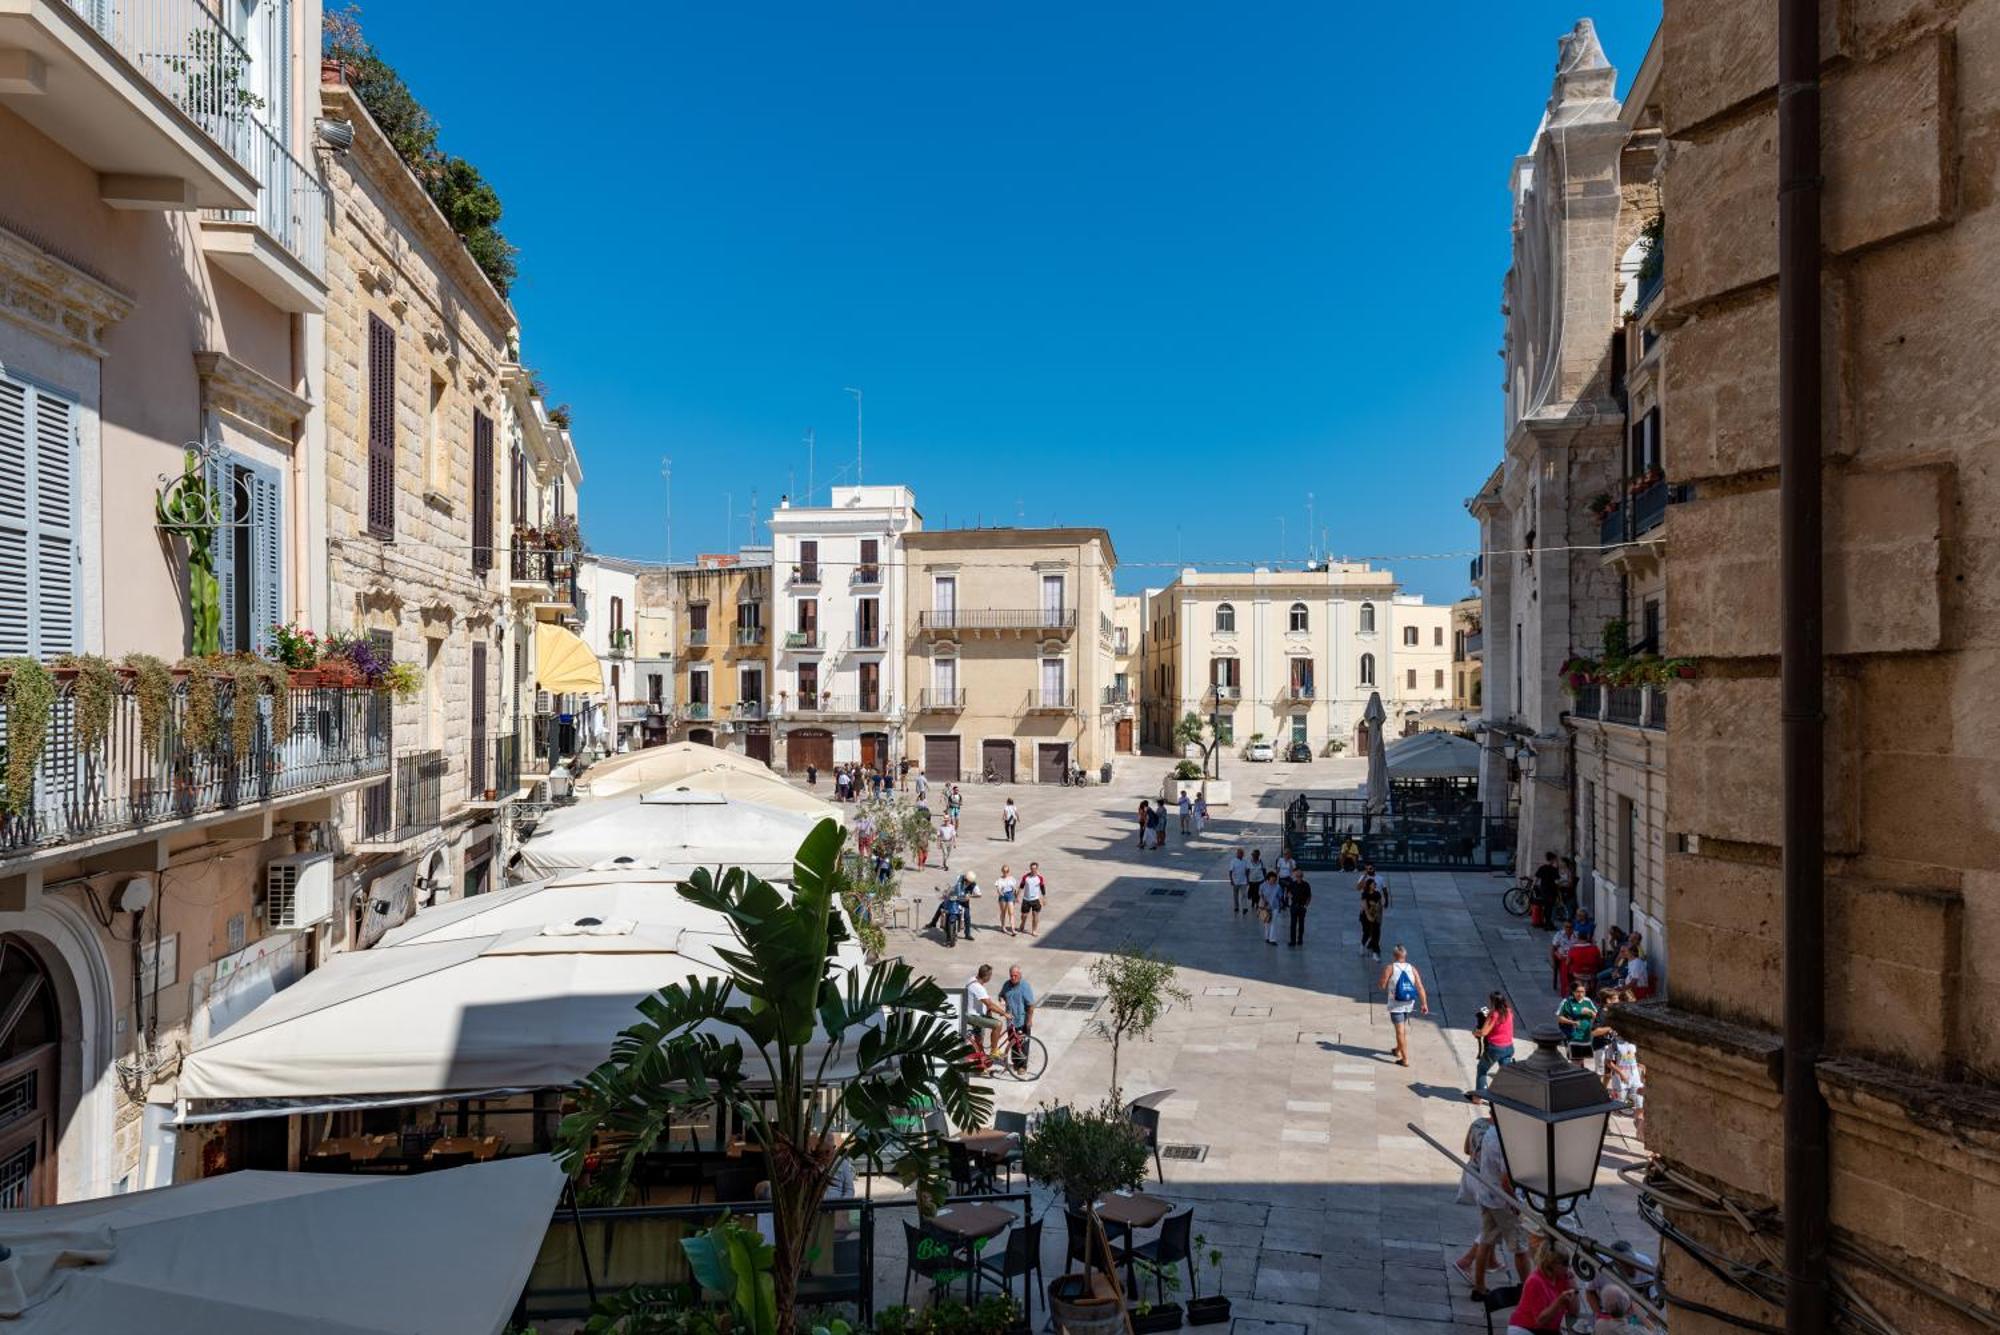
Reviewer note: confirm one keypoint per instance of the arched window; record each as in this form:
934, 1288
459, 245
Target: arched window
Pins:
1409, 635
1225, 617
1300, 621
1367, 618
1367, 669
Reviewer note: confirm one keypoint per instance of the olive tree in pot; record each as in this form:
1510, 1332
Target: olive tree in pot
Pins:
1138, 989
1083, 1155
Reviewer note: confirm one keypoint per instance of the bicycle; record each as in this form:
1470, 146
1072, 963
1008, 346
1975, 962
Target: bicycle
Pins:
1518, 899
990, 775
1026, 1056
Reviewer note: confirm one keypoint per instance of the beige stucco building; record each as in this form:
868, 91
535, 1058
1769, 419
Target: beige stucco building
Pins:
722, 675
1911, 421
1291, 656
1011, 652
1468, 649
541, 494
162, 283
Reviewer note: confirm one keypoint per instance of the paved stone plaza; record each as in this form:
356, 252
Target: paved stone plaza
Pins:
1331, 1214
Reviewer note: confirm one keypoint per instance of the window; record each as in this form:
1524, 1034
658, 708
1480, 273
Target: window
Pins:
869, 571
1410, 680
1123, 641
698, 622
1437, 637
944, 678
944, 600
482, 492
1645, 452
1438, 683
808, 685
1649, 623
1052, 600
1367, 669
617, 618
1302, 678
437, 449
656, 688
808, 617
1298, 730
868, 623
1053, 694
698, 686
1224, 672
1301, 621
1367, 626
870, 675
249, 550
381, 429
1628, 844
1225, 619
807, 571
517, 485
38, 522
1410, 636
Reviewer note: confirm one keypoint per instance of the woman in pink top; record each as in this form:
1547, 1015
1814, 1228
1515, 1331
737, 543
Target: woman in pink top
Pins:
1496, 1041
1547, 1297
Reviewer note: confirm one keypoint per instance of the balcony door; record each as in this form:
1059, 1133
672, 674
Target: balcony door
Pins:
1052, 683
870, 675
1052, 599
944, 679
944, 600
809, 619
868, 623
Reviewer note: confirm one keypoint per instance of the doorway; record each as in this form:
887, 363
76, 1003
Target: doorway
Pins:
1124, 735
998, 756
757, 746
29, 1079
875, 750
1051, 761
808, 746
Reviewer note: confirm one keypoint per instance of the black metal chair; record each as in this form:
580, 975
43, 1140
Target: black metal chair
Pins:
1080, 1244
329, 1163
969, 1176
1496, 1300
449, 1159
1023, 1259
1017, 1123
1174, 1246
1148, 1122
930, 1254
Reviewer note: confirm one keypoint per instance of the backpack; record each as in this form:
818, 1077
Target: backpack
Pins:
1405, 987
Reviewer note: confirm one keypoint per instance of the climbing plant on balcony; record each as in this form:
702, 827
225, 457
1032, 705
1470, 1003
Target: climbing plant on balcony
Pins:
31, 698
153, 684
96, 687
1619, 666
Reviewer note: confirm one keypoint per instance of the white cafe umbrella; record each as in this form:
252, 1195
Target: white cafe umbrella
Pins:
249, 1253
667, 828
1378, 765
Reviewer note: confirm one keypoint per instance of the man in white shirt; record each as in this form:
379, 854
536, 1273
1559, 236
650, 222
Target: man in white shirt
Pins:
982, 1012
1010, 817
1033, 887
1239, 881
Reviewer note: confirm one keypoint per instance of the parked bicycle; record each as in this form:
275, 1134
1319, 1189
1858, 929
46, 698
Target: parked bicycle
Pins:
991, 775
1520, 898
1022, 1056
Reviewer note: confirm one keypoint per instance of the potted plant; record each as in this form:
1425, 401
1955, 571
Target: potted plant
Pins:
1602, 504
1139, 988
1084, 1154
1158, 1316
1212, 1310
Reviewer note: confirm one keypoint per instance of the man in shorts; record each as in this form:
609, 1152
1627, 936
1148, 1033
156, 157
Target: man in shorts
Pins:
1033, 888
983, 1015
1500, 1227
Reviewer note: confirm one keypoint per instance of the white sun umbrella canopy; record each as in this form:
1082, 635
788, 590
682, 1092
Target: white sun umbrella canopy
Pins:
519, 990
1378, 765
1434, 755
668, 828
249, 1253
663, 766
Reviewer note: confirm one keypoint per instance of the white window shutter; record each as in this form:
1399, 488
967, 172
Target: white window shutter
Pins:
39, 611
267, 537
228, 501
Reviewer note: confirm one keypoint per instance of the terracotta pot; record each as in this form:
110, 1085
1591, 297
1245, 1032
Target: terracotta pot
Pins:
304, 677
332, 72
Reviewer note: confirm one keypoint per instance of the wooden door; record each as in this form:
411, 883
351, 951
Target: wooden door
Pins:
30, 1044
998, 756
757, 745
941, 758
1051, 759
808, 746
1124, 735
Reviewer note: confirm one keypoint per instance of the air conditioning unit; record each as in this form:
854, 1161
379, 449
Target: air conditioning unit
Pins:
298, 891
542, 703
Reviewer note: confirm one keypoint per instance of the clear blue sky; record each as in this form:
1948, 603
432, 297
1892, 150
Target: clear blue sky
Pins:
1164, 268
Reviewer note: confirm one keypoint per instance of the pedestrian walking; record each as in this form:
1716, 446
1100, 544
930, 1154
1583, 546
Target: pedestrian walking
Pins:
864, 833
812, 776
1145, 820
1404, 987
1494, 1029
1286, 864
1257, 870
1578, 1018
1003, 892
954, 801
1158, 824
1372, 908
1547, 890
1187, 814
923, 786
1298, 897
1201, 812
1239, 882
903, 773
947, 836
1274, 902
1009, 818
1033, 890
1500, 1229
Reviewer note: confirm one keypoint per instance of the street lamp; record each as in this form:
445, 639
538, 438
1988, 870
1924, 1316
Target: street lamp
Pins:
1551, 1115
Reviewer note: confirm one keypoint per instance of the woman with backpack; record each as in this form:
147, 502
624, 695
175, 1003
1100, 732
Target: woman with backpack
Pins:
1495, 1032
1405, 989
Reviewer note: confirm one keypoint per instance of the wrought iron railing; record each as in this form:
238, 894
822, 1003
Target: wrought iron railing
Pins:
132, 778
867, 575
697, 709
495, 768
748, 709
291, 203
1624, 704
1029, 618
847, 704
182, 48
1589, 700
1117, 695
409, 804
1050, 702
698, 638
802, 639
867, 637
551, 566
939, 702
749, 635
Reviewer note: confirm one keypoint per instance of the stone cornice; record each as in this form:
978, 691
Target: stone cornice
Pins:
386, 168
53, 298
250, 396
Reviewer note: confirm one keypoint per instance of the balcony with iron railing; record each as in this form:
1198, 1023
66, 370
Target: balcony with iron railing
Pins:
749, 710
637, 711
864, 705
697, 637
1059, 619
865, 576
1114, 696
277, 248
494, 774
749, 636
144, 772
1475, 643
1300, 693
935, 701
699, 711
543, 576
805, 572
405, 806
1224, 694
1629, 706
867, 638
1643, 509
1047, 701
805, 640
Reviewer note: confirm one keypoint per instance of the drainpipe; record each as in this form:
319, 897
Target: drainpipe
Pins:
1802, 667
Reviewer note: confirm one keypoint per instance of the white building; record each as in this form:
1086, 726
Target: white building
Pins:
607, 601
841, 606
1291, 655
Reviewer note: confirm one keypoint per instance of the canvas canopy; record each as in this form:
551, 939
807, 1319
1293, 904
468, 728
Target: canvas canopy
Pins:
309, 1254
564, 664
697, 768
671, 828
1434, 755
518, 990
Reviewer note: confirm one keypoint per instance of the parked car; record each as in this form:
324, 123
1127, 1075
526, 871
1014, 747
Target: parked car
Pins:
1298, 753
1259, 751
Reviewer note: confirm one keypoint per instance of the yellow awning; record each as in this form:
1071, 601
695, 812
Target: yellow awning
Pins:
564, 664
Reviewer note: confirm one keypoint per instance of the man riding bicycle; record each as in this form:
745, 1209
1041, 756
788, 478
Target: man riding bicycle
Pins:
982, 1014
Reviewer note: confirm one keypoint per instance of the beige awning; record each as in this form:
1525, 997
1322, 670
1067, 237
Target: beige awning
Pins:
564, 664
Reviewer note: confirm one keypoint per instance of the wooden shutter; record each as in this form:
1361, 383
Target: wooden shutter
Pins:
381, 429
482, 492
267, 554
39, 600
230, 511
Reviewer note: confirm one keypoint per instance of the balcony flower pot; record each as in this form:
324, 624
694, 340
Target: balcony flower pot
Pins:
305, 678
1210, 1311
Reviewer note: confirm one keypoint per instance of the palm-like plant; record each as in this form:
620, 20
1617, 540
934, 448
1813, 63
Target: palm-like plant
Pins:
767, 1044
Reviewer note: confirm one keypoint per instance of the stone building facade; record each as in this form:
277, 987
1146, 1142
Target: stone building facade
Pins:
417, 343
1912, 608
1468, 649
722, 673
1011, 647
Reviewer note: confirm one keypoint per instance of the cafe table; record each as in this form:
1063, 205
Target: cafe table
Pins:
967, 1224
361, 1149
990, 1147
481, 1148
1130, 1211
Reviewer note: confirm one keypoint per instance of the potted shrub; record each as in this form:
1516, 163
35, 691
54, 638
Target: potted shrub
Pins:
1212, 1310
1602, 504
1083, 1154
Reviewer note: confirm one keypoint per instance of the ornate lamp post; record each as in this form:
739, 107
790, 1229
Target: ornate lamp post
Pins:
1551, 1115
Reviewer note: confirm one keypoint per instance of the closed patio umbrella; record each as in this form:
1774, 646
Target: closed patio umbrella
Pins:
1376, 718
